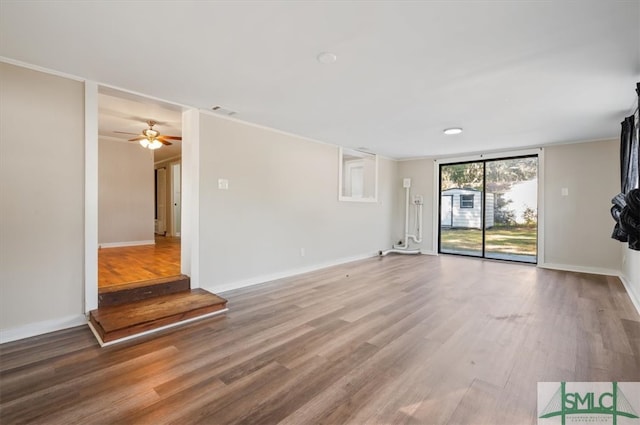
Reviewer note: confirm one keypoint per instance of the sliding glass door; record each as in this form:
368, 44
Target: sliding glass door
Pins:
489, 208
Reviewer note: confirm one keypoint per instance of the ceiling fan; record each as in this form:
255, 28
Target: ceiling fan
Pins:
151, 138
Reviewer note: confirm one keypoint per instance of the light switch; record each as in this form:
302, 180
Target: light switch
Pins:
564, 191
223, 184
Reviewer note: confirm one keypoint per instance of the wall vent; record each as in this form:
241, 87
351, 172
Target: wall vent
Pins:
220, 110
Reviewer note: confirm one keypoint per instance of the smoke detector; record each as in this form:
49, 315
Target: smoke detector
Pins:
327, 57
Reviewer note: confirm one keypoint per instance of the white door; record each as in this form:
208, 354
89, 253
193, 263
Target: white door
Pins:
446, 210
161, 201
176, 192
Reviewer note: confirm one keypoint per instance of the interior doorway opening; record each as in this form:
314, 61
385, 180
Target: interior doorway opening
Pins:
139, 178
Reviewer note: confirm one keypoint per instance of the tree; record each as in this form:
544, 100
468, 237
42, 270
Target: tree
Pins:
502, 214
463, 176
530, 216
500, 175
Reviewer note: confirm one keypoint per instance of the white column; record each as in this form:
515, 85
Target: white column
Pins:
190, 227
90, 196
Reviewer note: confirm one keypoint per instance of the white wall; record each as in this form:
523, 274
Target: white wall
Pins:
125, 193
421, 172
41, 200
578, 226
282, 197
631, 273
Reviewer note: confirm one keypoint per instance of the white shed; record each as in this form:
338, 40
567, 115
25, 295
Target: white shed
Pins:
462, 208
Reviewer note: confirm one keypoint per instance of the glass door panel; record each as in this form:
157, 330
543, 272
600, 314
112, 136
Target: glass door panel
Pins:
461, 216
511, 199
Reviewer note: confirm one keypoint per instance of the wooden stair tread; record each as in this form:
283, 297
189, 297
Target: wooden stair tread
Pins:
116, 317
141, 284
119, 321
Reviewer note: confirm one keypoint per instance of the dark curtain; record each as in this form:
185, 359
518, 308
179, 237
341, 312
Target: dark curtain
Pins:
628, 156
626, 204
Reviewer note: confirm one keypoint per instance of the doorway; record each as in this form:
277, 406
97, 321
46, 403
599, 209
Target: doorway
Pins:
136, 189
488, 208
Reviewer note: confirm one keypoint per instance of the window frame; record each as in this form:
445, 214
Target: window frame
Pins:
467, 196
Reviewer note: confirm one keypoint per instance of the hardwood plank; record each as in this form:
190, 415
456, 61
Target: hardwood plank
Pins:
478, 402
137, 291
399, 339
127, 264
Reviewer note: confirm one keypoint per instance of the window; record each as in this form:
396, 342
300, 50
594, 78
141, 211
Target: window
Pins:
466, 201
358, 175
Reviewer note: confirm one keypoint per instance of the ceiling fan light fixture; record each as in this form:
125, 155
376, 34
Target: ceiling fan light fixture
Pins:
150, 133
151, 139
155, 144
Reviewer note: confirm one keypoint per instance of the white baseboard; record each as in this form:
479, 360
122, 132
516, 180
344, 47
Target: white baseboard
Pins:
428, 252
130, 243
39, 328
580, 269
635, 298
281, 275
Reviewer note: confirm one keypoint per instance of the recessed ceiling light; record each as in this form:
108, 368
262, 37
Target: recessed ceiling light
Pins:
326, 57
454, 130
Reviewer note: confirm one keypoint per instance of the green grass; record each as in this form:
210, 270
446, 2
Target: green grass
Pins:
507, 240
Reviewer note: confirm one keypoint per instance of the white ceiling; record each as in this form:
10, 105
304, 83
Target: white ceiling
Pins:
511, 73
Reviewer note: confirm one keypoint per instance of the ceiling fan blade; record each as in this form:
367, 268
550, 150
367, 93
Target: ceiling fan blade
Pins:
172, 137
135, 139
164, 142
125, 132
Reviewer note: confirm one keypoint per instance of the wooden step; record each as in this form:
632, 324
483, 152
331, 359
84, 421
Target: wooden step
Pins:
124, 321
137, 291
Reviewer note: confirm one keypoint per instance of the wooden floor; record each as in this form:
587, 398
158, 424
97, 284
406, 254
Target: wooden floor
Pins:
393, 340
134, 263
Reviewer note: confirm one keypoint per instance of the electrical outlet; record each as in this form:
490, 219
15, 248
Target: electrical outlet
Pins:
302, 252
223, 184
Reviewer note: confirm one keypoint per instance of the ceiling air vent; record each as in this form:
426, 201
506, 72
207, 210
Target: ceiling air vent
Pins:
223, 111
